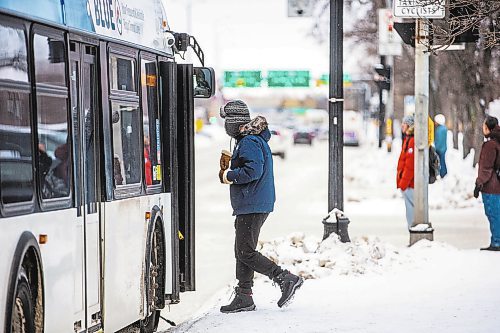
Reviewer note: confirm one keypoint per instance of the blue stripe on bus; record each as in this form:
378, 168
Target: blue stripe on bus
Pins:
50, 10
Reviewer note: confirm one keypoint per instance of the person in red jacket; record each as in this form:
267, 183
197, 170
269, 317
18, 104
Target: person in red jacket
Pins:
406, 167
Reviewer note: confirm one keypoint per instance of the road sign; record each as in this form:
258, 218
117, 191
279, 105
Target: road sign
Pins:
242, 79
282, 79
419, 8
389, 42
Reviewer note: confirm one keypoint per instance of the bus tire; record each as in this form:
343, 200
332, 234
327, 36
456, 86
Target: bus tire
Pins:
156, 273
25, 295
23, 313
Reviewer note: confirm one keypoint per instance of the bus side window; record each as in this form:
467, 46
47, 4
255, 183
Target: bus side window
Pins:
126, 120
16, 155
151, 123
122, 73
126, 143
54, 158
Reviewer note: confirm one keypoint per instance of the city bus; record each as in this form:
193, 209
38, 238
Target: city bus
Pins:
96, 164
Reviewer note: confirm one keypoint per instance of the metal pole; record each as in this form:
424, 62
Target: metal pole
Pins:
389, 108
335, 111
421, 126
381, 110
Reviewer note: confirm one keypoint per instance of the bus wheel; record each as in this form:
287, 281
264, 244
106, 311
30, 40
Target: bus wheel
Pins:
23, 314
156, 272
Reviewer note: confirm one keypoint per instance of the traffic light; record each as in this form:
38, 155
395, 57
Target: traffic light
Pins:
383, 76
406, 31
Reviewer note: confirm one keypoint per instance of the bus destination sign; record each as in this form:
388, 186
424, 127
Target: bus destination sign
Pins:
419, 9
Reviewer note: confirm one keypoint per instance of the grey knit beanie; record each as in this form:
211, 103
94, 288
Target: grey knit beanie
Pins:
235, 113
409, 120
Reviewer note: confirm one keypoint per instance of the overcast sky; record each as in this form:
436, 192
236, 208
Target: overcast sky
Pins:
246, 35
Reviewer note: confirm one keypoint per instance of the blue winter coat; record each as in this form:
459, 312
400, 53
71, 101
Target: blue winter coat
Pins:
251, 172
440, 139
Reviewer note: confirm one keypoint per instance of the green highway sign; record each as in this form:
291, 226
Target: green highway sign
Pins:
247, 79
346, 78
282, 79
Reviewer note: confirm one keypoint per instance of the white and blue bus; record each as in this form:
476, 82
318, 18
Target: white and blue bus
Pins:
96, 164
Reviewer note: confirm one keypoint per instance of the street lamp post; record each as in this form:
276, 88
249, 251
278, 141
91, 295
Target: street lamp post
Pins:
336, 137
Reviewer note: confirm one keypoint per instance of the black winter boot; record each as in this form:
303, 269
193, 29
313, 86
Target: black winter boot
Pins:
288, 283
242, 301
491, 248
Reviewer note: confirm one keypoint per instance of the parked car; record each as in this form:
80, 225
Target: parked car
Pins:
279, 141
303, 136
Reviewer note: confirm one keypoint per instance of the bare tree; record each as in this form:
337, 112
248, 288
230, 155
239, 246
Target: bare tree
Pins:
476, 18
463, 83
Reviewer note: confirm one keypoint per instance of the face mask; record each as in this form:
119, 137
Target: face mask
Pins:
233, 130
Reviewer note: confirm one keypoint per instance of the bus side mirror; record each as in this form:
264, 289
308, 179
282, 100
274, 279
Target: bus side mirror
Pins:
203, 82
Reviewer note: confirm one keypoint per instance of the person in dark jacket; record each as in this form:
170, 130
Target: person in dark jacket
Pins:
251, 179
405, 176
440, 141
488, 179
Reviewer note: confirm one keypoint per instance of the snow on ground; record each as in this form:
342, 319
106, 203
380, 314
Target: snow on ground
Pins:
368, 286
376, 172
456, 189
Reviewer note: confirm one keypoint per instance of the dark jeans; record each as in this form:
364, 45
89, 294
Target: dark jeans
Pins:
442, 164
248, 260
492, 209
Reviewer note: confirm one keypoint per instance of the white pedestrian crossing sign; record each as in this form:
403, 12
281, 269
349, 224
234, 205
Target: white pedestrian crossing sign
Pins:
419, 8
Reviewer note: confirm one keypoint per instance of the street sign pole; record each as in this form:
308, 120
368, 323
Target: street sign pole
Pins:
389, 109
421, 10
381, 109
336, 136
421, 201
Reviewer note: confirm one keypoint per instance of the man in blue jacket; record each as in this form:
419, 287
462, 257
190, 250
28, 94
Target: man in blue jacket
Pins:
251, 179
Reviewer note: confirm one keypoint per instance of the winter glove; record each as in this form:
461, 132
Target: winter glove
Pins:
476, 190
223, 177
225, 159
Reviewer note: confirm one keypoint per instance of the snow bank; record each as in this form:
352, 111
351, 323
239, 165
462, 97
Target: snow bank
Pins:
312, 258
456, 189
372, 176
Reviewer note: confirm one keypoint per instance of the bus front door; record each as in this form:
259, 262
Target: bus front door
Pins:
86, 174
186, 186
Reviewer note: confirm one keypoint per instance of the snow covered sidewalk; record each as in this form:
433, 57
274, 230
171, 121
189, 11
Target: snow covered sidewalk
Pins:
369, 286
